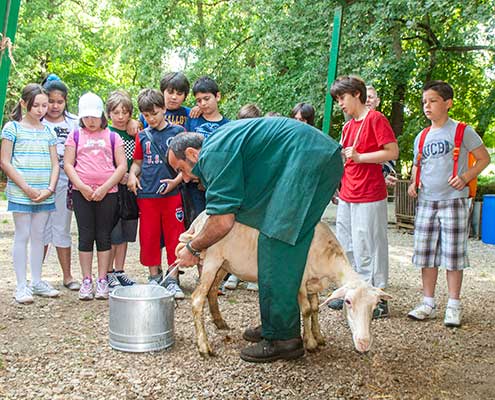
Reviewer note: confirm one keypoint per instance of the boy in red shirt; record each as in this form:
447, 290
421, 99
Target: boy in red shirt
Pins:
367, 141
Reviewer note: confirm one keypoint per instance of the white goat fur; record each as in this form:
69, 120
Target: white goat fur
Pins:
237, 253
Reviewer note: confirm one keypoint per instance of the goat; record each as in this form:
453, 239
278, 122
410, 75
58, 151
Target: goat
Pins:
237, 253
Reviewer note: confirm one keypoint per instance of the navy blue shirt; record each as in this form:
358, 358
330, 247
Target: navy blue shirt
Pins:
203, 126
153, 168
176, 117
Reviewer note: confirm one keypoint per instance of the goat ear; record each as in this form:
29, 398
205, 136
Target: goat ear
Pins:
338, 293
384, 295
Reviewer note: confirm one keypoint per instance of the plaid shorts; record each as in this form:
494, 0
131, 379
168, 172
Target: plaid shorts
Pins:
440, 234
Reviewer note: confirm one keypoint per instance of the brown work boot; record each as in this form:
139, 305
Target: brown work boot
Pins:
253, 334
272, 350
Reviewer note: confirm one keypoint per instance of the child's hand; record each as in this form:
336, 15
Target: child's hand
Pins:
133, 127
33, 193
457, 182
44, 194
87, 192
390, 180
133, 183
351, 153
124, 179
195, 112
411, 190
99, 194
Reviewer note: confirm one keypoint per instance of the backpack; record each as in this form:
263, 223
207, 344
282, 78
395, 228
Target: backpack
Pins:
459, 135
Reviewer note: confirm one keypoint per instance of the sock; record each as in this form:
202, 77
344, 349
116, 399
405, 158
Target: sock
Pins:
430, 301
454, 303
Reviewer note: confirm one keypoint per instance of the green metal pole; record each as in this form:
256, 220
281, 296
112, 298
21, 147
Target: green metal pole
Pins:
332, 67
9, 13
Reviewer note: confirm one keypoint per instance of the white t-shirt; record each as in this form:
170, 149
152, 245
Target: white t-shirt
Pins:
62, 130
437, 161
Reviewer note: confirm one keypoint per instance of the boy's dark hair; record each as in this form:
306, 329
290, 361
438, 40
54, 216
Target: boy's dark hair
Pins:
307, 112
442, 88
28, 95
103, 125
174, 81
249, 111
349, 84
119, 97
148, 99
205, 85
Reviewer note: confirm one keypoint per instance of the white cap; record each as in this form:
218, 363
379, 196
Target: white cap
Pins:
90, 105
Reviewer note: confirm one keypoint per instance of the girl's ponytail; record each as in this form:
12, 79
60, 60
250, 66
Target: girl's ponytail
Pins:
16, 114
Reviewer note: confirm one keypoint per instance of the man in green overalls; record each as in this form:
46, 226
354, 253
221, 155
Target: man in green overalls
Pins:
276, 175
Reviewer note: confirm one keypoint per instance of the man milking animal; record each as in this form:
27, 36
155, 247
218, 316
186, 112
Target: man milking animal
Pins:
276, 175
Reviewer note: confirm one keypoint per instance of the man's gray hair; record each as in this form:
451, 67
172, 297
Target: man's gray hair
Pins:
182, 141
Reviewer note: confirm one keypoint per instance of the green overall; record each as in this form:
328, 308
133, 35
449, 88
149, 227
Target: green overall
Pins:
276, 175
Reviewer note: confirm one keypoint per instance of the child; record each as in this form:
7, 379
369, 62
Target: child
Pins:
119, 110
57, 228
95, 162
441, 225
367, 141
29, 159
159, 201
304, 112
249, 111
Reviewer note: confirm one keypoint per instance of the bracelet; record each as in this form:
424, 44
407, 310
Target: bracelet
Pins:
50, 190
194, 252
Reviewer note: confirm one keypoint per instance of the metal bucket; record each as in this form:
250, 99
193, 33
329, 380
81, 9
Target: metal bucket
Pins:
141, 318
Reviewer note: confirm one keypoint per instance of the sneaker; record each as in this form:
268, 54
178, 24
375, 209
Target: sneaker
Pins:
231, 283
381, 310
44, 289
422, 312
452, 317
221, 290
123, 279
173, 287
23, 295
86, 289
336, 304
253, 286
112, 280
155, 279
101, 289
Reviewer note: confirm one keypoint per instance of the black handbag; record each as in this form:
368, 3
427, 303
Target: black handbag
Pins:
128, 207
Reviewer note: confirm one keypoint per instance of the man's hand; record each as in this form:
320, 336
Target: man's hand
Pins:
186, 259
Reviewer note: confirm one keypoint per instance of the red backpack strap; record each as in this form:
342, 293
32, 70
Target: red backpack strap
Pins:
420, 153
459, 135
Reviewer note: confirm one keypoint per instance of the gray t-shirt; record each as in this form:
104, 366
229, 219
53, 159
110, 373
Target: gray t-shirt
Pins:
437, 161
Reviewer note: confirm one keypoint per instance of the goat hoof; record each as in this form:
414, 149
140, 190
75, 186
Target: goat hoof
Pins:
321, 342
221, 325
311, 345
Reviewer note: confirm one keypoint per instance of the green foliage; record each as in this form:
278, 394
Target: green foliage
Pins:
274, 53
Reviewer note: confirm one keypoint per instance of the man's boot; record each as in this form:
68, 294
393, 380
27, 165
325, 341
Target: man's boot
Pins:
253, 334
272, 350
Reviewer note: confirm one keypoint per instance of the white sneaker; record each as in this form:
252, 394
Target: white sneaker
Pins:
452, 316
174, 288
44, 289
86, 289
231, 283
23, 295
253, 286
101, 289
422, 312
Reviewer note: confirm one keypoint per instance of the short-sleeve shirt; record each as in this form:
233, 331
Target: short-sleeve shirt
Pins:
364, 182
269, 172
203, 126
437, 161
61, 130
153, 168
95, 156
31, 159
176, 117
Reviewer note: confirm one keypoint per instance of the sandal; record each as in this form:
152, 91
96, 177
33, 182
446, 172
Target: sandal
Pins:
72, 285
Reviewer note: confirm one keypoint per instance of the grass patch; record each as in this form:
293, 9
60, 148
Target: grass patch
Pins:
5, 221
2, 196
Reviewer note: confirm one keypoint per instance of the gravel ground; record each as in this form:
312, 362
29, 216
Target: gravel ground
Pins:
58, 348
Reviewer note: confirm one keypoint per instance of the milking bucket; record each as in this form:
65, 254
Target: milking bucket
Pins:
141, 318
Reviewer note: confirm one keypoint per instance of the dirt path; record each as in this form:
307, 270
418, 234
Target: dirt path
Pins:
58, 348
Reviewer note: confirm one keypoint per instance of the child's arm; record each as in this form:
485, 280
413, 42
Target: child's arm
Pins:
11, 172
389, 152
195, 112
121, 161
171, 183
411, 190
133, 183
69, 161
482, 160
45, 193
